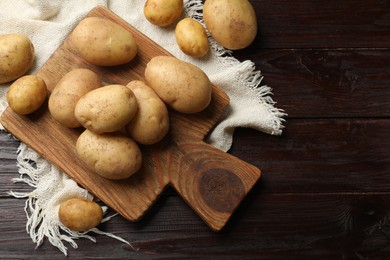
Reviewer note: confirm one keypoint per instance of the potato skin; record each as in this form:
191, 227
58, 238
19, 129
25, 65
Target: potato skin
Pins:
181, 85
106, 109
103, 42
16, 56
151, 122
232, 23
80, 214
163, 12
26, 94
191, 37
113, 156
64, 97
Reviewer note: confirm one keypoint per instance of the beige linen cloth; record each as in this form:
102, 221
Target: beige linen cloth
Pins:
48, 23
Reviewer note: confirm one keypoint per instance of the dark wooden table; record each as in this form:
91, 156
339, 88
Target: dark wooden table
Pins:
325, 188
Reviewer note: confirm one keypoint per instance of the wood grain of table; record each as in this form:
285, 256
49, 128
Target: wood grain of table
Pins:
325, 188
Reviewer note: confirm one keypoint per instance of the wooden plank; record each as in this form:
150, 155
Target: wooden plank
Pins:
272, 225
326, 156
333, 155
327, 83
322, 24
8, 164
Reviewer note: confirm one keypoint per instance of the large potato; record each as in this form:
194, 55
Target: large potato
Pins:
113, 156
151, 122
106, 109
191, 37
103, 42
16, 56
232, 23
64, 97
163, 12
26, 94
181, 85
80, 214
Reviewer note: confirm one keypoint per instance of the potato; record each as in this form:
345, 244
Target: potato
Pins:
181, 85
26, 94
106, 109
80, 214
151, 122
64, 97
232, 23
16, 56
113, 156
103, 42
163, 12
191, 37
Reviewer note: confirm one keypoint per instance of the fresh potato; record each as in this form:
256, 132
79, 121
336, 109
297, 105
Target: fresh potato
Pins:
64, 97
113, 156
104, 43
151, 122
181, 85
106, 109
232, 23
16, 56
26, 94
80, 214
192, 37
163, 12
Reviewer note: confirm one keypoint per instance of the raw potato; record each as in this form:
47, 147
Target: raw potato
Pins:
26, 94
232, 23
192, 38
151, 122
64, 97
113, 156
163, 12
181, 85
106, 109
16, 56
80, 214
103, 42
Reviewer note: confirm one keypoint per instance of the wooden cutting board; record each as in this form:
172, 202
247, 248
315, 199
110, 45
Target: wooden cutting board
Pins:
212, 182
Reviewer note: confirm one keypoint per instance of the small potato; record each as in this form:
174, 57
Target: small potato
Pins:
113, 156
181, 85
106, 109
80, 214
191, 37
151, 122
27, 94
232, 23
64, 97
104, 43
163, 12
16, 56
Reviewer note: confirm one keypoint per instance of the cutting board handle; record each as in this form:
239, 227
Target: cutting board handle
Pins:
211, 181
